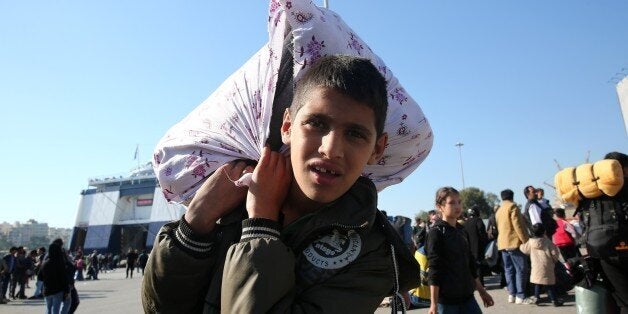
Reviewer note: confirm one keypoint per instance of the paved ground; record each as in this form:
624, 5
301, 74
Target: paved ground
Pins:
112, 293
115, 294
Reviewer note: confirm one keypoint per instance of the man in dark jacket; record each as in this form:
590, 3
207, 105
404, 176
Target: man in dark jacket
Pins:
141, 261
131, 258
307, 235
18, 275
535, 212
9, 259
478, 238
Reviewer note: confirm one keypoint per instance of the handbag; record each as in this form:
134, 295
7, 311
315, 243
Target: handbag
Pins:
491, 254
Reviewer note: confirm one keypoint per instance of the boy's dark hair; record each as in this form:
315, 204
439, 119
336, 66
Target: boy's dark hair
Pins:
443, 193
559, 212
621, 157
507, 195
354, 77
538, 230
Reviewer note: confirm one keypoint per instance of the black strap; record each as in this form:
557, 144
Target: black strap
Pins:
284, 92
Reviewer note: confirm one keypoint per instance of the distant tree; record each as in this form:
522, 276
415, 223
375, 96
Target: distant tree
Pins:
473, 196
422, 214
37, 242
492, 199
4, 243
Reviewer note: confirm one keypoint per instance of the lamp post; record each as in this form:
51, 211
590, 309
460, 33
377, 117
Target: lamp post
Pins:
459, 145
326, 4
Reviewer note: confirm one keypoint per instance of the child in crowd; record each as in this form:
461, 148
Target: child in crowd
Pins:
543, 255
452, 274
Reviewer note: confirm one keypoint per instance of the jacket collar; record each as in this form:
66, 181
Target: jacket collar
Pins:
355, 210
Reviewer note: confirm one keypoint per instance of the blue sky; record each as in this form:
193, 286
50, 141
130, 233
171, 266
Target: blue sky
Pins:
519, 82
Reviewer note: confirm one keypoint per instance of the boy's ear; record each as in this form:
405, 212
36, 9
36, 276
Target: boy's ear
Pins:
285, 127
378, 150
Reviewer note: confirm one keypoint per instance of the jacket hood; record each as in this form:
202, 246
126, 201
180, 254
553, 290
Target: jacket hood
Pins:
442, 223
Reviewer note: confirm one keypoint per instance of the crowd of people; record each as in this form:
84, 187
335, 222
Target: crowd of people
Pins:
55, 270
536, 246
529, 246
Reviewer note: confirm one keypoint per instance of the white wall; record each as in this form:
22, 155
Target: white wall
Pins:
103, 207
164, 211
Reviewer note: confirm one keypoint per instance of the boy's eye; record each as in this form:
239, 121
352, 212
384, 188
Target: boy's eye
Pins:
315, 123
356, 134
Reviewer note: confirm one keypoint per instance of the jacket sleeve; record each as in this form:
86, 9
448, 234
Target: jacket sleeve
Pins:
525, 248
518, 224
259, 277
177, 273
434, 257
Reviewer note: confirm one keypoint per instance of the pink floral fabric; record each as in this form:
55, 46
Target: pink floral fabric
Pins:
233, 122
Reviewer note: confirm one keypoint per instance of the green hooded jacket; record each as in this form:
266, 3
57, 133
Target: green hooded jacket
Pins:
336, 260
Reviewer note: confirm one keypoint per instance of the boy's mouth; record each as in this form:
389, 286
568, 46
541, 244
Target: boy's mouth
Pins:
324, 170
323, 175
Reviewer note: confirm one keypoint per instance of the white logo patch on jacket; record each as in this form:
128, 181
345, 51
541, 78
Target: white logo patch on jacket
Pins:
335, 250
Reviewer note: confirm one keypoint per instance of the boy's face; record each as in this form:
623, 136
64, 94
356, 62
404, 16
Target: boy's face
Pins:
332, 137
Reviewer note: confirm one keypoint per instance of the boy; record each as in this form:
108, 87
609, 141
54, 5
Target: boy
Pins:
307, 235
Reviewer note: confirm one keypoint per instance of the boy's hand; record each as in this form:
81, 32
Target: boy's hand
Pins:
217, 197
270, 185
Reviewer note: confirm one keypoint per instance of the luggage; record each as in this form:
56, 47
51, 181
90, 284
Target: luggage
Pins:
491, 254
234, 122
594, 300
604, 177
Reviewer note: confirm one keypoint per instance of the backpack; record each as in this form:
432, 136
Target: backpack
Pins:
606, 226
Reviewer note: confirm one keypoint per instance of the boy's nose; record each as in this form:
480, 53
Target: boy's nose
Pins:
331, 145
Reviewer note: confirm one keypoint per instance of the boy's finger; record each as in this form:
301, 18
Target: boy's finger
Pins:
264, 159
273, 160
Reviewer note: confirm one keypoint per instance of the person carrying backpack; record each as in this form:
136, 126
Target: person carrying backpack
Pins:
605, 219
